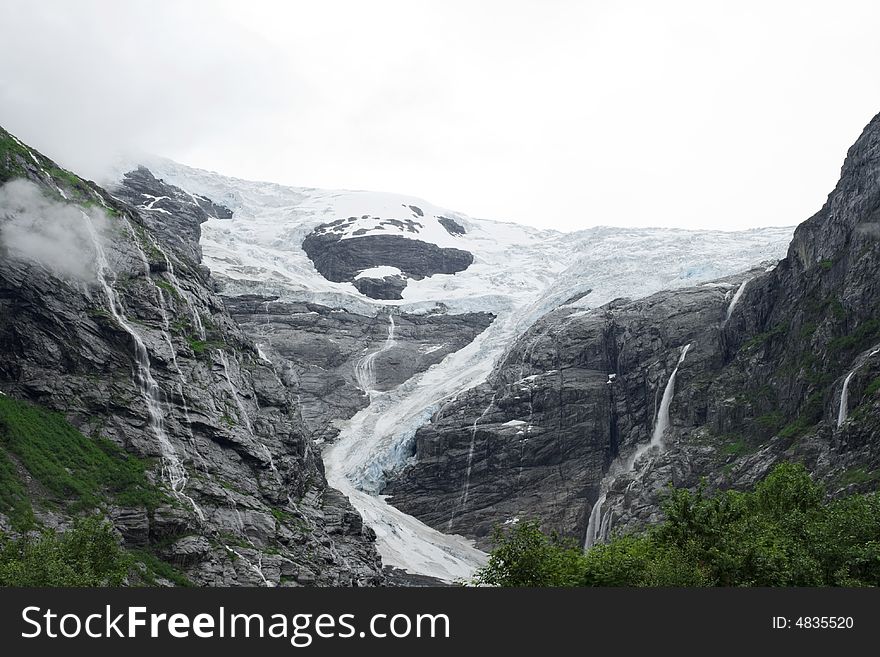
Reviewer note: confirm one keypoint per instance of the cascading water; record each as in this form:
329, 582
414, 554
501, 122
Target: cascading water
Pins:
593, 526
378, 439
843, 408
245, 418
258, 567
844, 399
599, 524
364, 371
462, 502
736, 298
172, 467
242, 413
662, 422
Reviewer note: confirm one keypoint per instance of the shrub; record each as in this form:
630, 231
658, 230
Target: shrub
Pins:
86, 555
783, 533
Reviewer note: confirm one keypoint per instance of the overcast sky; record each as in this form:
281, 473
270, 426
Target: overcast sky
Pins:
552, 113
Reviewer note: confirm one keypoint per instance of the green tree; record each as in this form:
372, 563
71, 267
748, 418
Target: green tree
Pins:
526, 557
88, 554
783, 533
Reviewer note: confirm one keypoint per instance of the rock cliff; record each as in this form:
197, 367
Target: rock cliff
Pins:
126, 338
783, 364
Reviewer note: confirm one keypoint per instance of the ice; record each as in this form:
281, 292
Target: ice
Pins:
379, 272
519, 273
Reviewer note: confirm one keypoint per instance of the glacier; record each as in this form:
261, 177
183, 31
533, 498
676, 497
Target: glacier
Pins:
519, 273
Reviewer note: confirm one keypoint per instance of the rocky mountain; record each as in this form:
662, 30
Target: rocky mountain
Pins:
279, 360
109, 318
590, 415
369, 372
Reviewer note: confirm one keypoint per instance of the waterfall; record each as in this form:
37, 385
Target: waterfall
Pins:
462, 503
844, 398
600, 524
181, 380
172, 468
364, 371
175, 284
245, 418
593, 527
844, 393
262, 354
242, 413
661, 424
258, 567
736, 297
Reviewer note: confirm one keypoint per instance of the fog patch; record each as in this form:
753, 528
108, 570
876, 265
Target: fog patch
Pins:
35, 228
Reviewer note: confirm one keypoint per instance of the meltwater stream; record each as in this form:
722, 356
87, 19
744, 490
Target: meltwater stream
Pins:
379, 437
843, 407
172, 467
600, 524
364, 371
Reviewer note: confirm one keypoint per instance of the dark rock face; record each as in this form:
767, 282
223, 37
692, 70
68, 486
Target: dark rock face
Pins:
341, 260
452, 226
178, 213
387, 287
573, 392
253, 507
316, 350
761, 386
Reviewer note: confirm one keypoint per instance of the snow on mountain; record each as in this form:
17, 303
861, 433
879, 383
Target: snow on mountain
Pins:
259, 249
518, 273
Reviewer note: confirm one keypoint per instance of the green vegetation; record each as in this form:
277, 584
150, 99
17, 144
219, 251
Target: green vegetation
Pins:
826, 264
770, 421
866, 332
169, 288
807, 330
10, 154
796, 428
70, 466
86, 555
71, 182
201, 347
14, 500
858, 476
761, 338
784, 533
156, 567
198, 346
736, 448
109, 210
873, 387
181, 326
525, 556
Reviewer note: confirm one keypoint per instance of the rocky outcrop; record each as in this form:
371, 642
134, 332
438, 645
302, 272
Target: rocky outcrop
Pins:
452, 226
342, 259
136, 347
762, 382
177, 214
387, 288
316, 351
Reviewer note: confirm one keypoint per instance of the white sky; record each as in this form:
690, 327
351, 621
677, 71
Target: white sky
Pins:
552, 113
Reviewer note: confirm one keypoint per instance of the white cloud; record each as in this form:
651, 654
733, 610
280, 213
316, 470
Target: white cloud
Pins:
52, 234
560, 114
